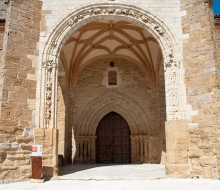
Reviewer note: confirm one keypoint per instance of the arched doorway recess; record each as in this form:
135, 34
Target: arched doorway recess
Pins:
113, 144
174, 74
139, 17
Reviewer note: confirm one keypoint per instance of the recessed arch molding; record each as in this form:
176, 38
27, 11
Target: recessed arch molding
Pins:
112, 101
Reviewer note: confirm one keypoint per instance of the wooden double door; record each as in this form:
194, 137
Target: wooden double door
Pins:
113, 143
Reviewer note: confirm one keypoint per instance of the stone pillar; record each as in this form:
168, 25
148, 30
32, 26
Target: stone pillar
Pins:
18, 86
202, 81
176, 126
49, 139
177, 142
49, 87
85, 150
139, 149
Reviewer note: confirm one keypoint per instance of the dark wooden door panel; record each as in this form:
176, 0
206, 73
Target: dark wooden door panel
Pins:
113, 143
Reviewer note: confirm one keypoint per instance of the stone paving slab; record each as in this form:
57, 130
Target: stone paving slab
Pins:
113, 172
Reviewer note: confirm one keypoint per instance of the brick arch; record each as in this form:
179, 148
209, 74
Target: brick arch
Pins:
117, 102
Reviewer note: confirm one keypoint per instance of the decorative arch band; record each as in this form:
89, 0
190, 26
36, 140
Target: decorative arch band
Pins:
95, 12
112, 101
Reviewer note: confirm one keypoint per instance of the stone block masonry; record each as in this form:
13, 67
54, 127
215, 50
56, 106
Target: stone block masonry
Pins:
2, 30
202, 81
217, 30
3, 8
17, 89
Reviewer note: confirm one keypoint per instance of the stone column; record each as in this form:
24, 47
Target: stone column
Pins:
47, 133
176, 126
85, 149
139, 149
49, 87
177, 143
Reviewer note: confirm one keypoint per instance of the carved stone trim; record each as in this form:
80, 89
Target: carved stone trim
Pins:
116, 11
149, 22
48, 66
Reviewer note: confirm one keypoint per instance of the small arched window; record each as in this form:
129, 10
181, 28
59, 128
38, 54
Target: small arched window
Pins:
112, 78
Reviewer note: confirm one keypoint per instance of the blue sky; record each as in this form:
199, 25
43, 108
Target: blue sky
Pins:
216, 7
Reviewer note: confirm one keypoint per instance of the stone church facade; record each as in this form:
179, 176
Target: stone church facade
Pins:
110, 81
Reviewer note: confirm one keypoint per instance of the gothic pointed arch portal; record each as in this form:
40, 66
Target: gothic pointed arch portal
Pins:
146, 21
113, 143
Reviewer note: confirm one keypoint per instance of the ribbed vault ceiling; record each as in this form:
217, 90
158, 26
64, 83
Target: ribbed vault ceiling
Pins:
111, 39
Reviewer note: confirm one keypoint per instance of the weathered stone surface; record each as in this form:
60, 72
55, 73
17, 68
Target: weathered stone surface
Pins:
25, 171
197, 171
26, 147
208, 172
218, 170
24, 162
179, 170
22, 139
208, 161
16, 156
5, 145
3, 8
195, 152
3, 155
8, 168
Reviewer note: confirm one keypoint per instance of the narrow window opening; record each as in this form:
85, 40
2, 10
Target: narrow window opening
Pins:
112, 78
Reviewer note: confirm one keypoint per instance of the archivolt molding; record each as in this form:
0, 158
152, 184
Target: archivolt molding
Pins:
108, 11
115, 101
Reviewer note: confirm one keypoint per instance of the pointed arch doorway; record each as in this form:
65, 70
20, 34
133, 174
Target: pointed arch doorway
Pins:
113, 143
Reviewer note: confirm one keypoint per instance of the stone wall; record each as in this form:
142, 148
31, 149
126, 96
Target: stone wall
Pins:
18, 88
202, 88
217, 30
3, 8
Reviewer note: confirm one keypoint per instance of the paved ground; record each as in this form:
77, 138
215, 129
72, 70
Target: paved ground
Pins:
113, 172
116, 177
